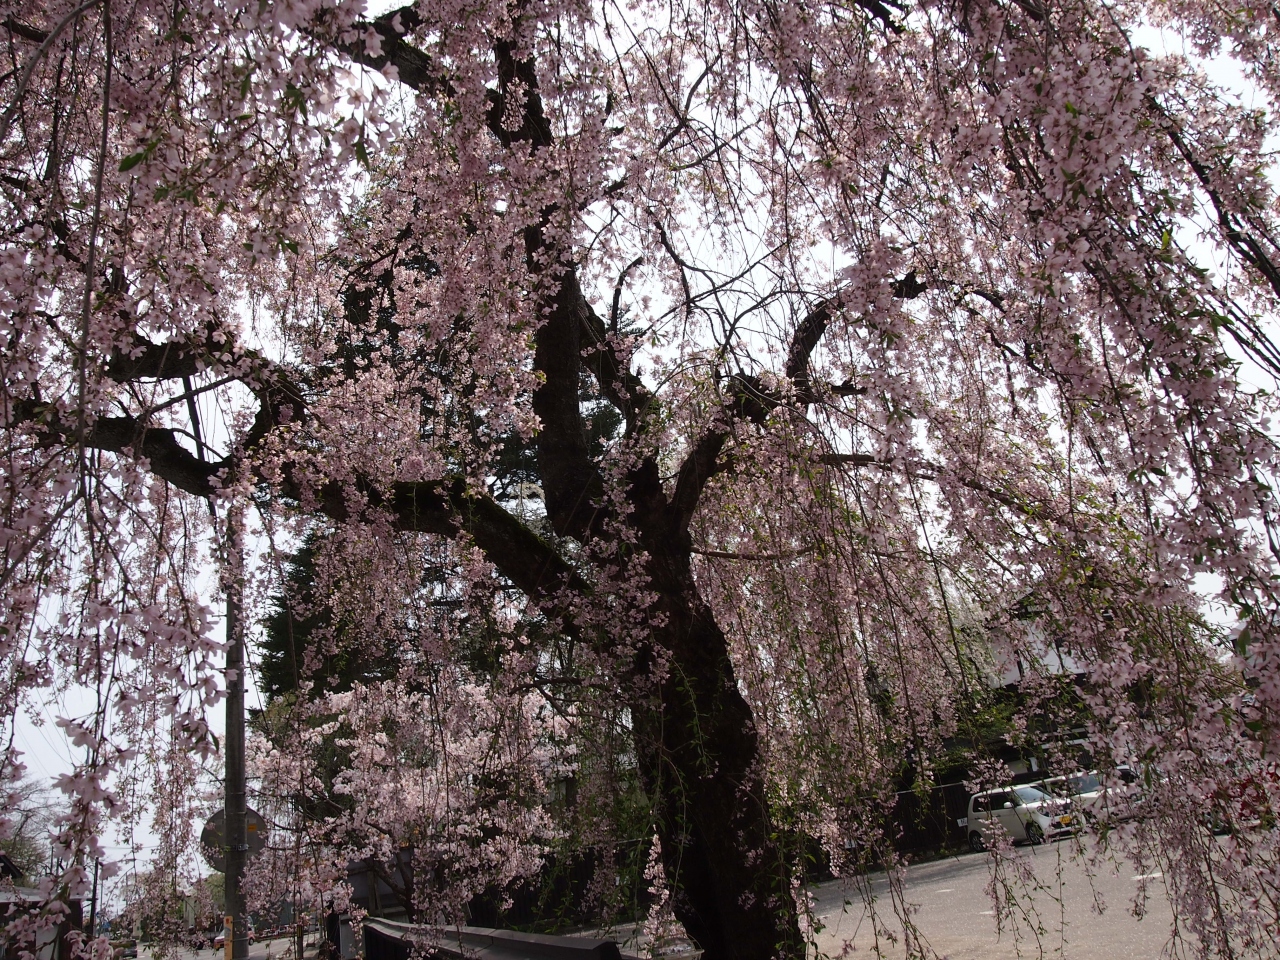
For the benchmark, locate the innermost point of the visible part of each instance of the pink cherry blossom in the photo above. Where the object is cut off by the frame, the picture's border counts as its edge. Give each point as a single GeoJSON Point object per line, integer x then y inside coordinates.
{"type": "Point", "coordinates": [752, 377]}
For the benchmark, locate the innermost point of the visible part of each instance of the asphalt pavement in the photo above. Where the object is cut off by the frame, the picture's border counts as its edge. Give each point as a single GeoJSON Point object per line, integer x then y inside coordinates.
{"type": "Point", "coordinates": [1062, 909]}
{"type": "Point", "coordinates": [279, 948]}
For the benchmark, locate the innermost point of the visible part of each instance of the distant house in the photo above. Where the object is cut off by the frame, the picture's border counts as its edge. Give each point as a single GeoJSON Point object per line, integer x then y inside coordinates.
{"type": "Point", "coordinates": [1024, 647]}
{"type": "Point", "coordinates": [13, 902]}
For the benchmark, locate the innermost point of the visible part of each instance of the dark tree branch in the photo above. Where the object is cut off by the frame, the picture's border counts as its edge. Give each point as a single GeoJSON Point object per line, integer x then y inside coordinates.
{"type": "Point", "coordinates": [280, 399]}
{"type": "Point", "coordinates": [535, 567]}
{"type": "Point", "coordinates": [446, 508]}
{"type": "Point", "coordinates": [700, 464]}
{"type": "Point", "coordinates": [522, 75]}
{"type": "Point", "coordinates": [620, 386]}
{"type": "Point", "coordinates": [168, 459]}
{"type": "Point", "coordinates": [805, 340]}
{"type": "Point", "coordinates": [855, 460]}
{"type": "Point", "coordinates": [617, 293]}
{"type": "Point", "coordinates": [1246, 245]}
{"type": "Point", "coordinates": [730, 555]}
{"type": "Point", "coordinates": [449, 508]}
{"type": "Point", "coordinates": [155, 361]}
{"type": "Point", "coordinates": [571, 481]}
{"type": "Point", "coordinates": [846, 389]}
{"type": "Point", "coordinates": [814, 325]}
{"type": "Point", "coordinates": [413, 67]}
{"type": "Point", "coordinates": [749, 400]}
{"type": "Point", "coordinates": [26, 31]}
{"type": "Point", "coordinates": [882, 13]}
{"type": "Point", "coordinates": [1032, 8]}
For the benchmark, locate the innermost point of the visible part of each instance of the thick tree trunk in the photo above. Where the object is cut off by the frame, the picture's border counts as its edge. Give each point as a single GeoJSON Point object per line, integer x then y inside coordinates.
{"type": "Point", "coordinates": [700, 762]}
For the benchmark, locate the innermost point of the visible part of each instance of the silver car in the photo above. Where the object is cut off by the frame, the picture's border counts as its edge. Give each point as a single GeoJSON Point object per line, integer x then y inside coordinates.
{"type": "Point", "coordinates": [1093, 799]}
{"type": "Point", "coordinates": [1024, 813]}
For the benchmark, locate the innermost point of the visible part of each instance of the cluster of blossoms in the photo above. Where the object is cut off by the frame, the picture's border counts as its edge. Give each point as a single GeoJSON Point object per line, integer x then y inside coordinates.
{"type": "Point", "coordinates": [456, 773]}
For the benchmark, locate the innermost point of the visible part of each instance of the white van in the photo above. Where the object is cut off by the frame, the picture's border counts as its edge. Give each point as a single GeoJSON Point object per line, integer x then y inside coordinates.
{"type": "Point", "coordinates": [1024, 813]}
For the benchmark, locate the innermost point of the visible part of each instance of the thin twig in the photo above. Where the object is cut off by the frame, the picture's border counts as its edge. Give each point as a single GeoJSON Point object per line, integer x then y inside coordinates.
{"type": "Point", "coordinates": [7, 118]}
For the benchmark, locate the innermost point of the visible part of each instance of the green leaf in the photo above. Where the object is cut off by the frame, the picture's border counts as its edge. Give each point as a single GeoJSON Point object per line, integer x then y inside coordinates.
{"type": "Point", "coordinates": [1242, 641]}
{"type": "Point", "coordinates": [295, 99]}
{"type": "Point", "coordinates": [132, 160]}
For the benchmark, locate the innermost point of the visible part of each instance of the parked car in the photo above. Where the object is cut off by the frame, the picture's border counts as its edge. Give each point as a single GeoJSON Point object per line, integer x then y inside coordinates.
{"type": "Point", "coordinates": [1114, 801]}
{"type": "Point", "coordinates": [220, 941]}
{"type": "Point", "coordinates": [1024, 813]}
{"type": "Point", "coordinates": [1083, 789]}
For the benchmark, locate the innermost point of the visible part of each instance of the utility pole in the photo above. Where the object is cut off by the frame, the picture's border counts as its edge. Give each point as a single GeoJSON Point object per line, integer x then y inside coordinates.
{"type": "Point", "coordinates": [234, 789]}
{"type": "Point", "coordinates": [93, 903]}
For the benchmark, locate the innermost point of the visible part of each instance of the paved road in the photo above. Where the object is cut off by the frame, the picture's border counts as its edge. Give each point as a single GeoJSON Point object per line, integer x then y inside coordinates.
{"type": "Point", "coordinates": [1067, 912]}
{"type": "Point", "coordinates": [278, 949]}
{"type": "Point", "coordinates": [1077, 913]}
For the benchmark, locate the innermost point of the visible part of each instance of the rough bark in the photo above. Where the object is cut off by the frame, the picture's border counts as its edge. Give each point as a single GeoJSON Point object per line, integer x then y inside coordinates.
{"type": "Point", "coordinates": [699, 756]}
{"type": "Point", "coordinates": [699, 759]}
